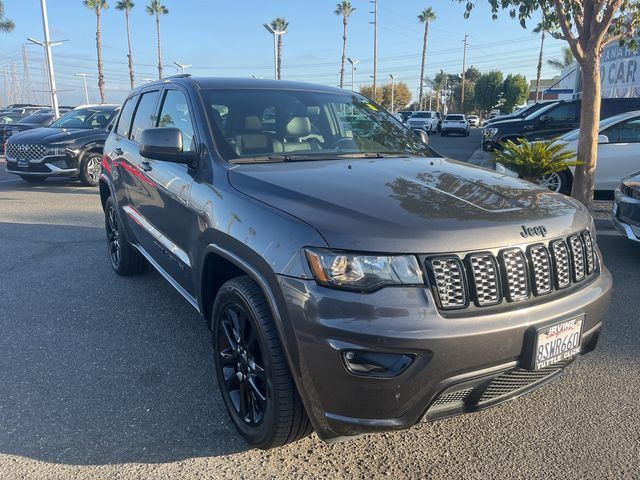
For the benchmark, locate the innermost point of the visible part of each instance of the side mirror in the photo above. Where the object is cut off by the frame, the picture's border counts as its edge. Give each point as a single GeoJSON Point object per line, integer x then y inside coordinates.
{"type": "Point", "coordinates": [603, 139]}
{"type": "Point", "coordinates": [422, 135]}
{"type": "Point", "coordinates": [544, 118]}
{"type": "Point", "coordinates": [164, 144]}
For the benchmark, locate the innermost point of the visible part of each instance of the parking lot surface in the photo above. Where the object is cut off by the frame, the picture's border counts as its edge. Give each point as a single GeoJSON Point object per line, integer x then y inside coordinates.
{"type": "Point", "coordinates": [107, 377]}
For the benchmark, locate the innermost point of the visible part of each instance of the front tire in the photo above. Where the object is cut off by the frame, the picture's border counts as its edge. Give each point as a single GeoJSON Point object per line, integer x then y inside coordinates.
{"type": "Point", "coordinates": [90, 169]}
{"type": "Point", "coordinates": [125, 259]}
{"type": "Point", "coordinates": [254, 379]}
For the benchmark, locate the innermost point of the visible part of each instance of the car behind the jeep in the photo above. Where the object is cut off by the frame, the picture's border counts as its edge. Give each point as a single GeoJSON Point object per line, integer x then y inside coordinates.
{"type": "Point", "coordinates": [353, 279]}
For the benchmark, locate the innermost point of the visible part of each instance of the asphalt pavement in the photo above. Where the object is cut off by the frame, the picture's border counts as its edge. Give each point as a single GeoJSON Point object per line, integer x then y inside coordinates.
{"type": "Point", "coordinates": [108, 377]}
{"type": "Point", "coordinates": [457, 146]}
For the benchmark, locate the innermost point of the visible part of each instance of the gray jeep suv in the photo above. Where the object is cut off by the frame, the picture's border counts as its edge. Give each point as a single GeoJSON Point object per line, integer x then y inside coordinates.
{"type": "Point", "coordinates": [353, 279]}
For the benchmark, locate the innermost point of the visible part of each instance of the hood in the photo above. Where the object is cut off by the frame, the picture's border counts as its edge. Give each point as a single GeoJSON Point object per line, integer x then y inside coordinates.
{"type": "Point", "coordinates": [48, 135]}
{"type": "Point", "coordinates": [409, 205]}
{"type": "Point", "coordinates": [507, 122]}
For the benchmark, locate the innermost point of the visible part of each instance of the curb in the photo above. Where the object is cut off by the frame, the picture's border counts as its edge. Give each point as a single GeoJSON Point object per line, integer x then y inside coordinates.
{"type": "Point", "coordinates": [481, 159]}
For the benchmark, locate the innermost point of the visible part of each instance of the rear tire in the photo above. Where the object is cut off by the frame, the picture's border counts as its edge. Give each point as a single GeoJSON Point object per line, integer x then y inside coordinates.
{"type": "Point", "coordinates": [560, 182]}
{"type": "Point", "coordinates": [125, 259]}
{"type": "Point", "coordinates": [33, 179]}
{"type": "Point", "coordinates": [90, 169]}
{"type": "Point", "coordinates": [254, 379]}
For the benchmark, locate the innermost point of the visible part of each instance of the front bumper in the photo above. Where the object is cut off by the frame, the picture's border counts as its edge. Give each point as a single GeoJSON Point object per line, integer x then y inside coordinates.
{"type": "Point", "coordinates": [50, 166]}
{"type": "Point", "coordinates": [450, 355]}
{"type": "Point", "coordinates": [626, 216]}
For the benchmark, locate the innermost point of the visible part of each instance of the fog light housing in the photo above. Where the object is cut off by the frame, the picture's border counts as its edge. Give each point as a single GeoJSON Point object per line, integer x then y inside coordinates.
{"type": "Point", "coordinates": [376, 364]}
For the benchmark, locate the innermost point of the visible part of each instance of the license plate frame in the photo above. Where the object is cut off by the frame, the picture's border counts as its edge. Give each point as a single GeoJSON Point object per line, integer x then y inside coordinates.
{"type": "Point", "coordinates": [23, 163]}
{"type": "Point", "coordinates": [555, 342]}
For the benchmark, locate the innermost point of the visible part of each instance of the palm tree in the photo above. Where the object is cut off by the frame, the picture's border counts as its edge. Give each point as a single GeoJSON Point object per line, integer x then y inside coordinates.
{"type": "Point", "coordinates": [126, 6]}
{"type": "Point", "coordinates": [280, 25]}
{"type": "Point", "coordinates": [156, 8]}
{"type": "Point", "coordinates": [6, 25]}
{"type": "Point", "coordinates": [345, 9]}
{"type": "Point", "coordinates": [540, 28]}
{"type": "Point", "coordinates": [566, 60]}
{"type": "Point", "coordinates": [426, 17]}
{"type": "Point", "coordinates": [97, 6]}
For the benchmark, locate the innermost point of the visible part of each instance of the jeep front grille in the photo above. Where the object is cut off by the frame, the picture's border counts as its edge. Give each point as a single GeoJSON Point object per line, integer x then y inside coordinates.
{"type": "Point", "coordinates": [514, 275]}
{"type": "Point", "coordinates": [17, 151]}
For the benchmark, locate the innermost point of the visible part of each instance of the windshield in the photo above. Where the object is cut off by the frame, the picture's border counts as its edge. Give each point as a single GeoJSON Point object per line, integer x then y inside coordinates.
{"type": "Point", "coordinates": [86, 118]}
{"type": "Point", "coordinates": [604, 124]}
{"type": "Point", "coordinates": [422, 115]}
{"type": "Point", "coordinates": [288, 125]}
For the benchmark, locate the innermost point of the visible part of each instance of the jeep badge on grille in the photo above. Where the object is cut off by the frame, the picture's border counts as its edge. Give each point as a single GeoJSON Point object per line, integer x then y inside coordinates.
{"type": "Point", "coordinates": [537, 231]}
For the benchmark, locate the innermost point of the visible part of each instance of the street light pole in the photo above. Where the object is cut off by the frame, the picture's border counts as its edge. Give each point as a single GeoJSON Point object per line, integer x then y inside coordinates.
{"type": "Point", "coordinates": [47, 49]}
{"type": "Point", "coordinates": [464, 68]}
{"type": "Point", "coordinates": [393, 92]}
{"type": "Point", "coordinates": [353, 72]}
{"type": "Point", "coordinates": [84, 79]}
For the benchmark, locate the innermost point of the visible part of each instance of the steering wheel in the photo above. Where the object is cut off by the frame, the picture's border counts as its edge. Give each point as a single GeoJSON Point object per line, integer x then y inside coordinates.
{"type": "Point", "coordinates": [350, 144]}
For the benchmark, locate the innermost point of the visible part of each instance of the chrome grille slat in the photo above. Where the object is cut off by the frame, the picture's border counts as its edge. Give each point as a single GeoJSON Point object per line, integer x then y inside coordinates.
{"type": "Point", "coordinates": [540, 269]}
{"type": "Point", "coordinates": [516, 278]}
{"type": "Point", "coordinates": [486, 279]}
{"type": "Point", "coordinates": [18, 151]}
{"type": "Point", "coordinates": [514, 274]}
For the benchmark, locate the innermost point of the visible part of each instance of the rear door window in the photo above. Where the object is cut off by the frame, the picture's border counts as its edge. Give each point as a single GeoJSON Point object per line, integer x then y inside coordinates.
{"type": "Point", "coordinates": [145, 116]}
{"type": "Point", "coordinates": [124, 122]}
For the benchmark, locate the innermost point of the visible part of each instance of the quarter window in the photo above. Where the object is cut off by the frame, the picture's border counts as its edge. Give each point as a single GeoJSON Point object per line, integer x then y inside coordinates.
{"type": "Point", "coordinates": [124, 122]}
{"type": "Point", "coordinates": [175, 113]}
{"type": "Point", "coordinates": [145, 114]}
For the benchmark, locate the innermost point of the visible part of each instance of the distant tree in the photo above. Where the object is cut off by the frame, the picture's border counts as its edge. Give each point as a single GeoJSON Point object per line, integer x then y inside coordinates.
{"type": "Point", "coordinates": [126, 6]}
{"type": "Point", "coordinates": [469, 96]}
{"type": "Point", "coordinates": [515, 91]}
{"type": "Point", "coordinates": [345, 10]}
{"type": "Point", "coordinates": [488, 90]}
{"type": "Point", "coordinates": [472, 75]}
{"type": "Point", "coordinates": [6, 24]}
{"type": "Point", "coordinates": [97, 6]}
{"type": "Point", "coordinates": [401, 96]}
{"type": "Point", "coordinates": [426, 17]}
{"type": "Point", "coordinates": [157, 9]}
{"type": "Point", "coordinates": [281, 25]}
{"type": "Point", "coordinates": [587, 26]}
{"type": "Point", "coordinates": [560, 63]}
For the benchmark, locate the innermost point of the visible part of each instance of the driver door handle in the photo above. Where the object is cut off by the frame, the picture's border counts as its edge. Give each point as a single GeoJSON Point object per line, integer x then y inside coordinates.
{"type": "Point", "coordinates": [118, 151]}
{"type": "Point", "coordinates": [146, 166]}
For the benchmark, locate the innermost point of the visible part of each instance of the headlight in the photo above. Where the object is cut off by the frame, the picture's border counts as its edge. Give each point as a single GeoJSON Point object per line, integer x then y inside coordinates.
{"type": "Point", "coordinates": [55, 151]}
{"type": "Point", "coordinates": [490, 132]}
{"type": "Point", "coordinates": [350, 271]}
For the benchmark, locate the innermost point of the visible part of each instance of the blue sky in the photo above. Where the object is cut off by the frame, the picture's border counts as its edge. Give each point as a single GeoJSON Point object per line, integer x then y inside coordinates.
{"type": "Point", "coordinates": [222, 38]}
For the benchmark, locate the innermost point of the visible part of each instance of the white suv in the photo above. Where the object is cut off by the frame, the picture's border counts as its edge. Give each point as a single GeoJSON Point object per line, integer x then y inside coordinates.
{"type": "Point", "coordinates": [427, 121]}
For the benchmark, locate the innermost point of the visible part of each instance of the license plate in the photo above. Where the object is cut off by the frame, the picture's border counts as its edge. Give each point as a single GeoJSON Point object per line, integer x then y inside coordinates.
{"type": "Point", "coordinates": [23, 163]}
{"type": "Point", "coordinates": [557, 342]}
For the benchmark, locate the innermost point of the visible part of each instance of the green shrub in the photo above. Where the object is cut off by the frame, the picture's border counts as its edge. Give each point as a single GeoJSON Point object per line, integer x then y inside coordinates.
{"type": "Point", "coordinates": [533, 160]}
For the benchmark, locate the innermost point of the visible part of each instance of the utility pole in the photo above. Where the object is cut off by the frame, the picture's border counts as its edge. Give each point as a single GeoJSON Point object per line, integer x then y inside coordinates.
{"type": "Point", "coordinates": [375, 46]}
{"type": "Point", "coordinates": [353, 72]}
{"type": "Point", "coordinates": [47, 49]}
{"type": "Point", "coordinates": [464, 72]}
{"type": "Point", "coordinates": [393, 92]}
{"type": "Point", "coordinates": [84, 79]}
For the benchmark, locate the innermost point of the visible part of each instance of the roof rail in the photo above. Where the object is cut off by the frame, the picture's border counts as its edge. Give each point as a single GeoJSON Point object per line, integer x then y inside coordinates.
{"type": "Point", "coordinates": [179, 75]}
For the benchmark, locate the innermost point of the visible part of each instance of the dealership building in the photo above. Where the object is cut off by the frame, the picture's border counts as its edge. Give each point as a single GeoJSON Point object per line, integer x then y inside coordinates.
{"type": "Point", "coordinates": [620, 75]}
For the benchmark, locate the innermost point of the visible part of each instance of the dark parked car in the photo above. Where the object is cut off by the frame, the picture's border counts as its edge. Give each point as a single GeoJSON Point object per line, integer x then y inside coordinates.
{"type": "Point", "coordinates": [626, 207]}
{"type": "Point", "coordinates": [550, 121]}
{"type": "Point", "coordinates": [354, 280]}
{"type": "Point", "coordinates": [69, 147]}
{"type": "Point", "coordinates": [37, 120]}
{"type": "Point", "coordinates": [521, 113]}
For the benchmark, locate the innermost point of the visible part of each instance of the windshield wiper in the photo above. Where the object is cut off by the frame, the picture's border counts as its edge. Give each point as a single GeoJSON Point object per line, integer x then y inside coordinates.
{"type": "Point", "coordinates": [276, 157]}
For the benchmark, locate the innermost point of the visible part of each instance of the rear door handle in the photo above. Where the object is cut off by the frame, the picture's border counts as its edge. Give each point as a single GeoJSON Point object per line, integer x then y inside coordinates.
{"type": "Point", "coordinates": [146, 166]}
{"type": "Point", "coordinates": [118, 151]}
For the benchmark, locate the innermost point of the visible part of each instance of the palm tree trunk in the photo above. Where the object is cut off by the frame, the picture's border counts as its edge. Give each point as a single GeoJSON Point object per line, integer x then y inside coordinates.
{"type": "Point", "coordinates": [132, 77]}
{"type": "Point", "coordinates": [159, 47]}
{"type": "Point", "coordinates": [583, 183]}
{"type": "Point", "coordinates": [279, 57]}
{"type": "Point", "coordinates": [344, 51]}
{"type": "Point", "coordinates": [99, 48]}
{"type": "Point", "coordinates": [424, 59]}
{"type": "Point", "coordinates": [539, 75]}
